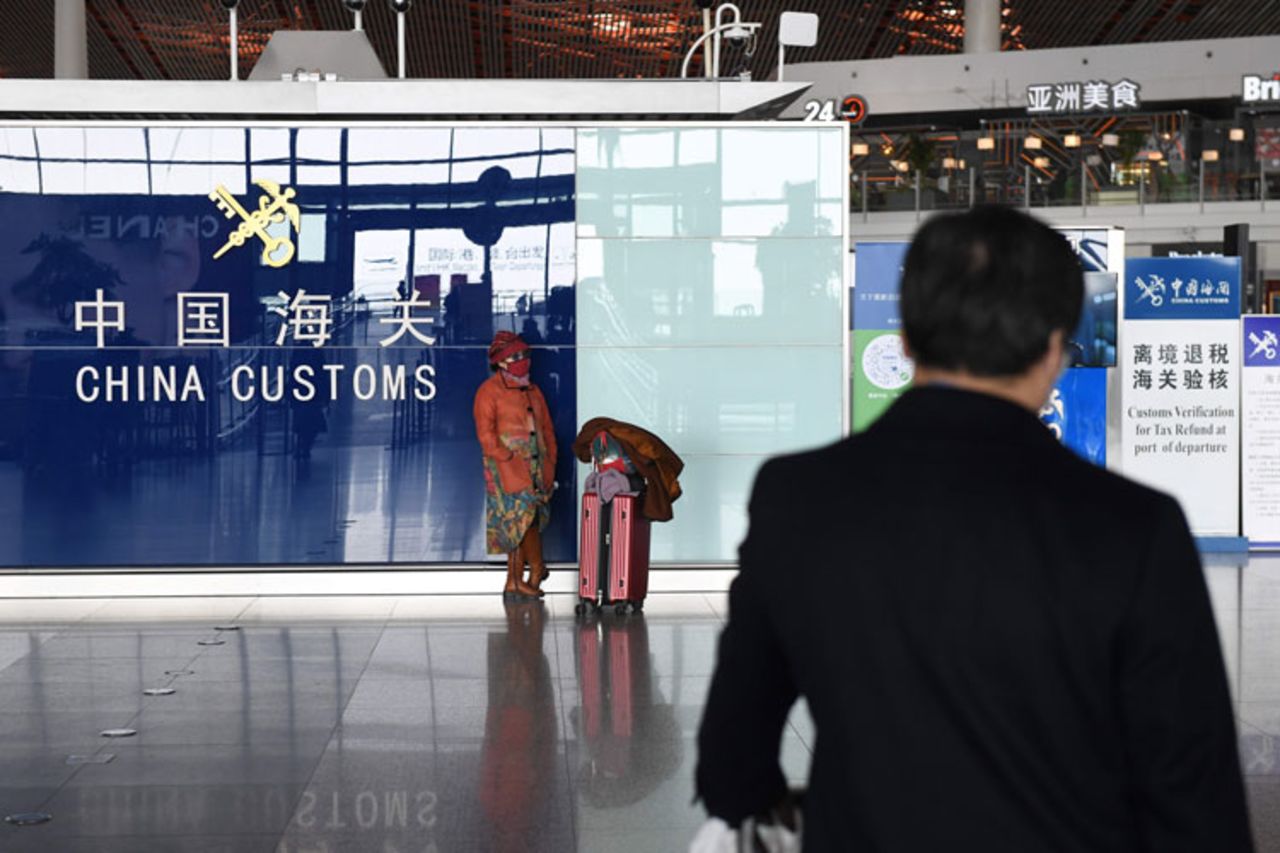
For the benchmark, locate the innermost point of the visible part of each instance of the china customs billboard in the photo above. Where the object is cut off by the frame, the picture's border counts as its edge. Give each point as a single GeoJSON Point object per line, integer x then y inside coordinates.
{"type": "Point", "coordinates": [260, 345]}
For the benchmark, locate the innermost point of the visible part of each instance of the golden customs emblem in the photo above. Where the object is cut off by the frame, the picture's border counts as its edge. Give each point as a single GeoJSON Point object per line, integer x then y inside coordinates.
{"type": "Point", "coordinates": [274, 206]}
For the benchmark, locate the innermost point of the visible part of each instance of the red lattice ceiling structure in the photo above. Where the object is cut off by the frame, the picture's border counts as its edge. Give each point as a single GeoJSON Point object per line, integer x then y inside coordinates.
{"type": "Point", "coordinates": [187, 39]}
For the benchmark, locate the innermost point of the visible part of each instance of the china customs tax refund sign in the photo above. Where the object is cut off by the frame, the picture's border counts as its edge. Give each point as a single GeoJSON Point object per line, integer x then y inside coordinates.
{"type": "Point", "coordinates": [1181, 385]}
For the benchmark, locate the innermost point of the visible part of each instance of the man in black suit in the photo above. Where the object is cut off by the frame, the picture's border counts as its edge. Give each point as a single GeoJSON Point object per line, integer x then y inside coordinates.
{"type": "Point", "coordinates": [1003, 647]}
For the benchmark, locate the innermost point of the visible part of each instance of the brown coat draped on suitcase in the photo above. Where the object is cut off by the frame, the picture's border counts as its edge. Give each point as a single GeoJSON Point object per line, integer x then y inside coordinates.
{"type": "Point", "coordinates": [657, 463]}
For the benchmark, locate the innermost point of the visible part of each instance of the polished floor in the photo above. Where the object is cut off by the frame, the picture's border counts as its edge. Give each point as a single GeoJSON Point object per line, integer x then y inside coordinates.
{"type": "Point", "coordinates": [416, 724]}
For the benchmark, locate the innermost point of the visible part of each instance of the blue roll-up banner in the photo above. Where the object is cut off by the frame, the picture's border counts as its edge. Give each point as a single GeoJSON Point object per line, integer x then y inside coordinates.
{"type": "Point", "coordinates": [1077, 409]}
{"type": "Point", "coordinates": [1181, 364]}
{"type": "Point", "coordinates": [878, 277]}
{"type": "Point", "coordinates": [1077, 412]}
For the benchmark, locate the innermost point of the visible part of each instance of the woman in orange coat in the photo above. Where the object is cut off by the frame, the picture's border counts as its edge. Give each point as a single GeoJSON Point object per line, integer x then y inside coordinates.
{"type": "Point", "coordinates": [519, 445]}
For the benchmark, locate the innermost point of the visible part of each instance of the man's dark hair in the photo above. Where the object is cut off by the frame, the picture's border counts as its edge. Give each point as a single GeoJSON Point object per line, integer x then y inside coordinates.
{"type": "Point", "coordinates": [983, 290]}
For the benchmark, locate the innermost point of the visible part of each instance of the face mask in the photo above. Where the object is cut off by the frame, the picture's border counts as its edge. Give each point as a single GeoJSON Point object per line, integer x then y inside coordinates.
{"type": "Point", "coordinates": [519, 368]}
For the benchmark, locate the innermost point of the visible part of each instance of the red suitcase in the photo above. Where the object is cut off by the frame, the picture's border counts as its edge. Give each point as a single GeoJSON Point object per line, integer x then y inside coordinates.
{"type": "Point", "coordinates": [589, 586]}
{"type": "Point", "coordinates": [613, 557]}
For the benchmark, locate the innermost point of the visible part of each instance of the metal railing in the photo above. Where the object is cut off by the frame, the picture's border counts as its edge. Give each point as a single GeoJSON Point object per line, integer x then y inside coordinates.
{"type": "Point", "coordinates": [925, 192]}
{"type": "Point", "coordinates": [1137, 161]}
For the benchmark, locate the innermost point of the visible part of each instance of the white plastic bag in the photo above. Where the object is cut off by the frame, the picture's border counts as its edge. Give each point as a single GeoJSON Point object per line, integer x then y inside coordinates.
{"type": "Point", "coordinates": [716, 836]}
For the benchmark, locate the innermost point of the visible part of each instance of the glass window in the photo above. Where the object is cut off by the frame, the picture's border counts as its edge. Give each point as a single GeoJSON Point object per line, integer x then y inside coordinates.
{"type": "Point", "coordinates": [197, 144]}
{"type": "Point", "coordinates": [111, 178]}
{"type": "Point", "coordinates": [380, 145]}
{"type": "Point", "coordinates": [63, 178]}
{"type": "Point", "coordinates": [18, 142]}
{"type": "Point", "coordinates": [311, 239]}
{"type": "Point", "coordinates": [320, 143]}
{"type": "Point", "coordinates": [319, 175]}
{"type": "Point", "coordinates": [116, 143]}
{"type": "Point", "coordinates": [61, 142]}
{"type": "Point", "coordinates": [270, 143]}
{"type": "Point", "coordinates": [19, 176]}
{"type": "Point", "coordinates": [381, 259]}
{"type": "Point", "coordinates": [710, 305]}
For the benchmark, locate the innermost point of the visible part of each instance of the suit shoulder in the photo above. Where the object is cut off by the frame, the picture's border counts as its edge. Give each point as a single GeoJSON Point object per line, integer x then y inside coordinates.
{"type": "Point", "coordinates": [1104, 488]}
{"type": "Point", "coordinates": [806, 466]}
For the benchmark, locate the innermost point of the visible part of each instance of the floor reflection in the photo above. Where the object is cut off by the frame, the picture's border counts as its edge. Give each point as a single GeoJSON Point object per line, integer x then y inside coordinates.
{"type": "Point", "coordinates": [518, 758]}
{"type": "Point", "coordinates": [421, 724]}
{"type": "Point", "coordinates": [628, 733]}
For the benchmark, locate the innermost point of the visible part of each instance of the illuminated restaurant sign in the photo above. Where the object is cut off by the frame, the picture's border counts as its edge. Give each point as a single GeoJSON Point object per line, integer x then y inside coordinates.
{"type": "Point", "coordinates": [1259, 89]}
{"type": "Point", "coordinates": [1086, 97]}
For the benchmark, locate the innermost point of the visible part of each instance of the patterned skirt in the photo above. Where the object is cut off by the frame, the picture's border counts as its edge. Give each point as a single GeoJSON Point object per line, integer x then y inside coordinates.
{"type": "Point", "coordinates": [508, 515]}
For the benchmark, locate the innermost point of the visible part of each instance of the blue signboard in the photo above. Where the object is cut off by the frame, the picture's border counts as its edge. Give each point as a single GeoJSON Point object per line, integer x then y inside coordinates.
{"type": "Point", "coordinates": [1093, 344]}
{"type": "Point", "coordinates": [1077, 409]}
{"type": "Point", "coordinates": [878, 273]}
{"type": "Point", "coordinates": [1262, 341]}
{"type": "Point", "coordinates": [1077, 412]}
{"type": "Point", "coordinates": [260, 346]}
{"type": "Point", "coordinates": [1199, 288]}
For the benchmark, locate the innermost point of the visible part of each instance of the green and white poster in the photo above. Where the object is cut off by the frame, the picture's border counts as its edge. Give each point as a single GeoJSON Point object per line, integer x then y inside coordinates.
{"type": "Point", "coordinates": [881, 371]}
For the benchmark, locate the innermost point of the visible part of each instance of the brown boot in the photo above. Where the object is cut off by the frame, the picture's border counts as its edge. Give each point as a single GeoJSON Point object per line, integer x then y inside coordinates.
{"type": "Point", "coordinates": [531, 552]}
{"type": "Point", "coordinates": [516, 589]}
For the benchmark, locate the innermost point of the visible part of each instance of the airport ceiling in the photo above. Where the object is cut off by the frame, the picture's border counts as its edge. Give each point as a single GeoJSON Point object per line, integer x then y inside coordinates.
{"type": "Point", "coordinates": [187, 39]}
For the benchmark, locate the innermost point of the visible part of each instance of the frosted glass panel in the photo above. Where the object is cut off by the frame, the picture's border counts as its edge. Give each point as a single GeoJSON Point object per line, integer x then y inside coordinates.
{"type": "Point", "coordinates": [681, 292]}
{"type": "Point", "coordinates": [710, 305]}
{"type": "Point", "coordinates": [798, 215]}
{"type": "Point", "coordinates": [711, 518]}
{"type": "Point", "coordinates": [766, 165]}
{"type": "Point", "coordinates": [718, 399]}
{"type": "Point", "coordinates": [679, 182]}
